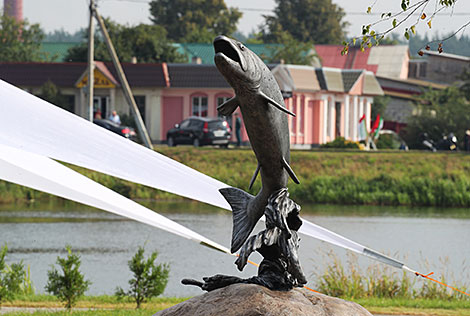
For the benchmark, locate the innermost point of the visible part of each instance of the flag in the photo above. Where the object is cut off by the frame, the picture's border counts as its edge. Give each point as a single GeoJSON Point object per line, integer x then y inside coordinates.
{"type": "Point", "coordinates": [362, 128]}
{"type": "Point", "coordinates": [377, 126]}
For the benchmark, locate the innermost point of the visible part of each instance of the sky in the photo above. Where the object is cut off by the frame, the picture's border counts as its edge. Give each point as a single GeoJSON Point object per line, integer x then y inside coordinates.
{"type": "Point", "coordinates": [71, 15]}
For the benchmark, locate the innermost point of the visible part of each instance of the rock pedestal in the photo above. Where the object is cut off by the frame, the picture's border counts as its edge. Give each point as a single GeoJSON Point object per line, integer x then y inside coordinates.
{"type": "Point", "coordinates": [255, 300]}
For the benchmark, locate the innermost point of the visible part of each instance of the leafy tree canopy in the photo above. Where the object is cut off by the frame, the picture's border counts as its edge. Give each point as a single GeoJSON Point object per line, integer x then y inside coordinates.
{"type": "Point", "coordinates": [64, 36]}
{"type": "Point", "coordinates": [291, 51]}
{"type": "Point", "coordinates": [315, 21]}
{"type": "Point", "coordinates": [148, 43]}
{"type": "Point", "coordinates": [194, 20]}
{"type": "Point", "coordinates": [20, 41]}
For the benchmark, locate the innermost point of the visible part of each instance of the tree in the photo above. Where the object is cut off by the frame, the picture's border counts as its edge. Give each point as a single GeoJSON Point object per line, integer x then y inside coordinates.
{"type": "Point", "coordinates": [64, 36]}
{"type": "Point", "coordinates": [51, 93]}
{"type": "Point", "coordinates": [20, 41]}
{"type": "Point", "coordinates": [194, 20]}
{"type": "Point", "coordinates": [291, 51]}
{"type": "Point", "coordinates": [394, 20]}
{"type": "Point", "coordinates": [379, 106]}
{"type": "Point", "coordinates": [69, 285]}
{"type": "Point", "coordinates": [438, 113]}
{"type": "Point", "coordinates": [148, 43]}
{"type": "Point", "coordinates": [149, 280]}
{"type": "Point", "coordinates": [315, 21]}
{"type": "Point", "coordinates": [11, 277]}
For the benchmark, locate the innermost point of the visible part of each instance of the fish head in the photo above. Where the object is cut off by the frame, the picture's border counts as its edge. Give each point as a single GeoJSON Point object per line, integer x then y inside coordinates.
{"type": "Point", "coordinates": [238, 64]}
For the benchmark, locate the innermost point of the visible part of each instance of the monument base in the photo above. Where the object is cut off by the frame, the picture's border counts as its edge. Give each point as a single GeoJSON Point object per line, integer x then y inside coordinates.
{"type": "Point", "coordinates": [255, 300]}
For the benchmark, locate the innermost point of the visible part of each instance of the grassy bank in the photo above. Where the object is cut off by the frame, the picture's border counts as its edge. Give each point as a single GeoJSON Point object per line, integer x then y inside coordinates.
{"type": "Point", "coordinates": [361, 178]}
{"type": "Point", "coordinates": [109, 306]}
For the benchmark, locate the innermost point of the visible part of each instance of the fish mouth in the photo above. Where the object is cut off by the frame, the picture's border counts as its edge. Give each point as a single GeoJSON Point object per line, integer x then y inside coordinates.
{"type": "Point", "coordinates": [226, 49]}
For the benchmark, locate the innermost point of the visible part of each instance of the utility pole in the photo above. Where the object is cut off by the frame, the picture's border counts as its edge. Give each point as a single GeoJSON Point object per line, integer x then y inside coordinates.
{"type": "Point", "coordinates": [124, 83]}
{"type": "Point", "coordinates": [91, 62]}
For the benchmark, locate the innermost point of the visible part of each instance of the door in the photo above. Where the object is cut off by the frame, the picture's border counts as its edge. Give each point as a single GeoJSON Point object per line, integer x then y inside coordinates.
{"type": "Point", "coordinates": [172, 113]}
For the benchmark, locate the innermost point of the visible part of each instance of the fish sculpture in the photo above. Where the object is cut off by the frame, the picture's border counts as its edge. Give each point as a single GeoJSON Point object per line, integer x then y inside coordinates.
{"type": "Point", "coordinates": [259, 98]}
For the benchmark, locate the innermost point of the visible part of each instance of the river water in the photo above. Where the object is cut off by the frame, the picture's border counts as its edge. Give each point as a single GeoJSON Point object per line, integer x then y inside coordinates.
{"type": "Point", "coordinates": [425, 239]}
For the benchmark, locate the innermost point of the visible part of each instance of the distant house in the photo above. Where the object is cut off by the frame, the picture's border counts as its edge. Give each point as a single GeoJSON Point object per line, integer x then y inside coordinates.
{"type": "Point", "coordinates": [146, 80]}
{"type": "Point", "coordinates": [438, 67]}
{"type": "Point", "coordinates": [384, 60]}
{"type": "Point", "coordinates": [328, 102]}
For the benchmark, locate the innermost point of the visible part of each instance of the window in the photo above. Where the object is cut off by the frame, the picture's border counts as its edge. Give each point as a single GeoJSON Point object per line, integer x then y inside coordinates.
{"type": "Point", "coordinates": [184, 124]}
{"type": "Point", "coordinates": [200, 106]}
{"type": "Point", "coordinates": [220, 101]}
{"type": "Point", "coordinates": [140, 101]}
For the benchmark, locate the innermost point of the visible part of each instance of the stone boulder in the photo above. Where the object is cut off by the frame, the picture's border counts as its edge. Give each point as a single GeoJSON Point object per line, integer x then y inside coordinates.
{"type": "Point", "coordinates": [255, 300]}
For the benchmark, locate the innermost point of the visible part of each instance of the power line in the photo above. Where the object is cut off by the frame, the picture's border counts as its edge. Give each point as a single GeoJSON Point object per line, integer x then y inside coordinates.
{"type": "Point", "coordinates": [272, 10]}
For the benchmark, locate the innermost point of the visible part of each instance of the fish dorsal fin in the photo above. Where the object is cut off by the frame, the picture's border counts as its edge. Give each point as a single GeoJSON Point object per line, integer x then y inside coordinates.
{"type": "Point", "coordinates": [254, 176]}
{"type": "Point", "coordinates": [290, 171]}
{"type": "Point", "coordinates": [273, 102]}
{"type": "Point", "coordinates": [228, 107]}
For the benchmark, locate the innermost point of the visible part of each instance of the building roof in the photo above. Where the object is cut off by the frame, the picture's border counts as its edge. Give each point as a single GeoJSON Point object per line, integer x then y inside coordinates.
{"type": "Point", "coordinates": [141, 74]}
{"type": "Point", "coordinates": [195, 76]}
{"type": "Point", "coordinates": [36, 74]}
{"type": "Point", "coordinates": [308, 78]}
{"type": "Point", "coordinates": [333, 79]}
{"type": "Point", "coordinates": [384, 60]}
{"type": "Point", "coordinates": [370, 84]}
{"type": "Point", "coordinates": [446, 55]}
{"type": "Point", "coordinates": [406, 88]}
{"type": "Point", "coordinates": [57, 50]}
{"type": "Point", "coordinates": [350, 77]}
{"type": "Point", "coordinates": [32, 74]}
{"type": "Point", "coordinates": [302, 78]}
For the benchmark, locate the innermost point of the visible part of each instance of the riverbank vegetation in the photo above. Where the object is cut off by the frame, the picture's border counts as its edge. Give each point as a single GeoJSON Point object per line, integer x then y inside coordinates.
{"type": "Point", "coordinates": [330, 177]}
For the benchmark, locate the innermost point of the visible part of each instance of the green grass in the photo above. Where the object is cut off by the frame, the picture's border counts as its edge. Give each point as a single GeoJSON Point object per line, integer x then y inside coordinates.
{"type": "Point", "coordinates": [101, 305]}
{"type": "Point", "coordinates": [331, 177]}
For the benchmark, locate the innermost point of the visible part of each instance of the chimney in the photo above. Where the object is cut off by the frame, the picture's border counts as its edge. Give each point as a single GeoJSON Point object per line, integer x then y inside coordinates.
{"type": "Point", "coordinates": [13, 8]}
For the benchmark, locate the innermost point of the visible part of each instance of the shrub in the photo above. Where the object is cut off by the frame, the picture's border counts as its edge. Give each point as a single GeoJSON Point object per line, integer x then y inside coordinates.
{"type": "Point", "coordinates": [341, 142]}
{"type": "Point", "coordinates": [149, 279]}
{"type": "Point", "coordinates": [70, 285]}
{"type": "Point", "coordinates": [11, 277]}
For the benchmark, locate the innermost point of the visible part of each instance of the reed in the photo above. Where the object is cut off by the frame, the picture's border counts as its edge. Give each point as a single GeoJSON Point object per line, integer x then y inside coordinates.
{"type": "Point", "coordinates": [379, 281]}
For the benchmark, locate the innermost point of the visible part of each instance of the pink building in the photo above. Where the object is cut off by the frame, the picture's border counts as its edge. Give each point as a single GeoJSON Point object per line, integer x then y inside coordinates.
{"type": "Point", "coordinates": [328, 102]}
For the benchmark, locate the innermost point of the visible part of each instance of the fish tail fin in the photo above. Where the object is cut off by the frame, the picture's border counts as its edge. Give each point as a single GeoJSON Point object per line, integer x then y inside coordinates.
{"type": "Point", "coordinates": [242, 225]}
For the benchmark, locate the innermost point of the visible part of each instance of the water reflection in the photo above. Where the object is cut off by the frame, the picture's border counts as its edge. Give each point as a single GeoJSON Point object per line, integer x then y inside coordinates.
{"type": "Point", "coordinates": [38, 233]}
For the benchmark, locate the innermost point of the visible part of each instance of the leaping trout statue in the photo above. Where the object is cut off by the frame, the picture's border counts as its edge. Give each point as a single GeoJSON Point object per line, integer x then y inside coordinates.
{"type": "Point", "coordinates": [259, 98]}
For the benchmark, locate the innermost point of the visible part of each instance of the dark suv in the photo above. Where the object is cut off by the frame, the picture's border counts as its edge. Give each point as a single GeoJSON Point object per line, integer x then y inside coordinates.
{"type": "Point", "coordinates": [200, 131]}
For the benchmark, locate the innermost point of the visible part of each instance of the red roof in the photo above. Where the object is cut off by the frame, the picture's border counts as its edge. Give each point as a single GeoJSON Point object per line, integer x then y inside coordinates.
{"type": "Point", "coordinates": [330, 56]}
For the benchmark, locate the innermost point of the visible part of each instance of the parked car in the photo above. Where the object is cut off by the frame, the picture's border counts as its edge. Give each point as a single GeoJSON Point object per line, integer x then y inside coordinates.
{"type": "Point", "coordinates": [200, 131]}
{"type": "Point", "coordinates": [124, 131]}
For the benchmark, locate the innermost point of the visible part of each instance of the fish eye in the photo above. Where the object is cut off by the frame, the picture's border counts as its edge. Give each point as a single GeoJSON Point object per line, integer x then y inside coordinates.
{"type": "Point", "coordinates": [242, 47]}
